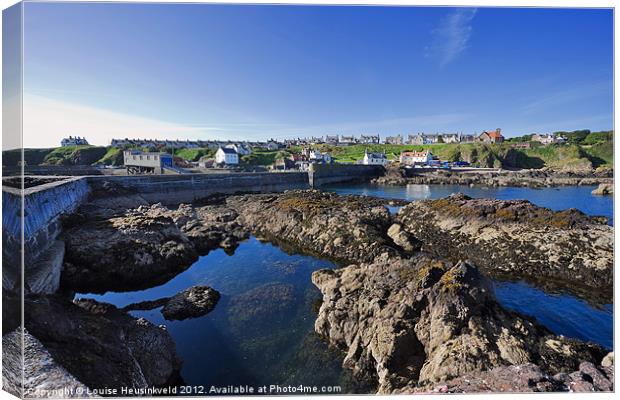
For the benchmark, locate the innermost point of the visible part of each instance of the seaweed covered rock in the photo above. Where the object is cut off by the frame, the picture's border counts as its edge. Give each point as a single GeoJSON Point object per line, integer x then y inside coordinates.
{"type": "Point", "coordinates": [145, 246]}
{"type": "Point", "coordinates": [417, 322]}
{"type": "Point", "coordinates": [191, 303]}
{"type": "Point", "coordinates": [517, 238]}
{"type": "Point", "coordinates": [340, 227]}
{"type": "Point", "coordinates": [100, 345]}
{"type": "Point", "coordinates": [124, 253]}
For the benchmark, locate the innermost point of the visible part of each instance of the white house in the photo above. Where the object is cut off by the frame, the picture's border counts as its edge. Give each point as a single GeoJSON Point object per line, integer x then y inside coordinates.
{"type": "Point", "coordinates": [240, 148]}
{"type": "Point", "coordinates": [272, 145]}
{"type": "Point", "coordinates": [374, 158]}
{"type": "Point", "coordinates": [315, 155]}
{"type": "Point", "coordinates": [225, 155]}
{"type": "Point", "coordinates": [415, 157]}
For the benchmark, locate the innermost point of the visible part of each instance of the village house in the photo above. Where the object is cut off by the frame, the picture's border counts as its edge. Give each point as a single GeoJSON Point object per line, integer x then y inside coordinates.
{"type": "Point", "coordinates": [240, 148]}
{"type": "Point", "coordinates": [73, 141]}
{"type": "Point", "coordinates": [398, 139]}
{"type": "Point", "coordinates": [138, 162]}
{"type": "Point", "coordinates": [491, 137]}
{"type": "Point", "coordinates": [347, 140]}
{"type": "Point", "coordinates": [272, 145]}
{"type": "Point", "coordinates": [226, 156]}
{"type": "Point", "coordinates": [369, 139]}
{"type": "Point", "coordinates": [421, 138]}
{"type": "Point", "coordinates": [544, 139]}
{"type": "Point", "coordinates": [374, 158]}
{"type": "Point", "coordinates": [451, 138]}
{"type": "Point", "coordinates": [467, 138]}
{"type": "Point", "coordinates": [333, 140]}
{"type": "Point", "coordinates": [415, 157]}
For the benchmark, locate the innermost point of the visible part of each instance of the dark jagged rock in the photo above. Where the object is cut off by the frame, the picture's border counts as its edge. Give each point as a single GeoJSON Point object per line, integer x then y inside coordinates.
{"type": "Point", "coordinates": [414, 323]}
{"type": "Point", "coordinates": [191, 303]}
{"type": "Point", "coordinates": [525, 378]}
{"type": "Point", "coordinates": [145, 246]}
{"type": "Point", "coordinates": [338, 227]}
{"type": "Point", "coordinates": [516, 239]}
{"type": "Point", "coordinates": [125, 253]}
{"type": "Point", "coordinates": [100, 345]}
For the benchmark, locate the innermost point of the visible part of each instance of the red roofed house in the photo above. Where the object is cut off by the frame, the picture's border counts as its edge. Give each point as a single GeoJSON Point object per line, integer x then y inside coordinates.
{"type": "Point", "coordinates": [491, 137]}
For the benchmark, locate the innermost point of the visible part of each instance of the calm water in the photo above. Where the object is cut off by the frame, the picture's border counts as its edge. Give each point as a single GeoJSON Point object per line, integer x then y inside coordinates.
{"type": "Point", "coordinates": [262, 330]}
{"type": "Point", "coordinates": [560, 198]}
{"type": "Point", "coordinates": [561, 313]}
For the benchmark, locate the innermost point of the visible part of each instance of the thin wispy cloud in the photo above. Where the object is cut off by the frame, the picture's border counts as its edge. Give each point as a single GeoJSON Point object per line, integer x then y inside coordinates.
{"type": "Point", "coordinates": [47, 121]}
{"type": "Point", "coordinates": [451, 37]}
{"type": "Point", "coordinates": [578, 93]}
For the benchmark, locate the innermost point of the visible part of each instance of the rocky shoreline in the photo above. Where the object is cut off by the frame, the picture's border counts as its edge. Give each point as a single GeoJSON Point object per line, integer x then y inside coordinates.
{"type": "Point", "coordinates": [411, 308]}
{"type": "Point", "coordinates": [535, 178]}
{"type": "Point", "coordinates": [514, 238]}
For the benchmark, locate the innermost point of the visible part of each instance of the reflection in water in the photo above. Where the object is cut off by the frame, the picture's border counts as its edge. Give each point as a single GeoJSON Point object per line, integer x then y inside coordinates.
{"type": "Point", "coordinates": [419, 192]}
{"type": "Point", "coordinates": [561, 313]}
{"type": "Point", "coordinates": [262, 330]}
{"type": "Point", "coordinates": [558, 198]}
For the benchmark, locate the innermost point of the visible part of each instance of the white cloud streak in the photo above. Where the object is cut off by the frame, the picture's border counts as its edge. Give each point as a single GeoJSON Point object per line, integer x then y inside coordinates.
{"type": "Point", "coordinates": [46, 121]}
{"type": "Point", "coordinates": [451, 36]}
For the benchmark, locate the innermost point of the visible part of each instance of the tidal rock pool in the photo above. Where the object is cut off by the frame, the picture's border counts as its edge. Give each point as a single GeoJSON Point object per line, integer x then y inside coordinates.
{"type": "Point", "coordinates": [262, 330]}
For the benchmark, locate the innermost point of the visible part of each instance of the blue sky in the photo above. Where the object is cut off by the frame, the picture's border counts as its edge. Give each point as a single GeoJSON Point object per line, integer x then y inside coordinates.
{"type": "Point", "coordinates": [255, 72]}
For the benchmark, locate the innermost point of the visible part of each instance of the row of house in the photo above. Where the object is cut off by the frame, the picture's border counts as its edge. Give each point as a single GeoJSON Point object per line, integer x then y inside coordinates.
{"type": "Point", "coordinates": [242, 147]}
{"type": "Point", "coordinates": [73, 141]}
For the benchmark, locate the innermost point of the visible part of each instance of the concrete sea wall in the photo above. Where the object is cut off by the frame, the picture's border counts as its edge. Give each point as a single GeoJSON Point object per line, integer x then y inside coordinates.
{"type": "Point", "coordinates": [44, 204]}
{"type": "Point", "coordinates": [42, 207]}
{"type": "Point", "coordinates": [174, 189]}
{"type": "Point", "coordinates": [323, 174]}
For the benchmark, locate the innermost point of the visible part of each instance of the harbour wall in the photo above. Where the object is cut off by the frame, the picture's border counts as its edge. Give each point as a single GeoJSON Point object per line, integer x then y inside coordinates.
{"type": "Point", "coordinates": [42, 207]}
{"type": "Point", "coordinates": [324, 174]}
{"type": "Point", "coordinates": [44, 204]}
{"type": "Point", "coordinates": [175, 189]}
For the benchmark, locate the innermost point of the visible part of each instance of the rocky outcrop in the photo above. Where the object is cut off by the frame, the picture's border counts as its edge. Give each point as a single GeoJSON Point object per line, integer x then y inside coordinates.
{"type": "Point", "coordinates": [338, 227]}
{"type": "Point", "coordinates": [125, 253]}
{"type": "Point", "coordinates": [418, 322]}
{"type": "Point", "coordinates": [100, 345]}
{"type": "Point", "coordinates": [191, 303]}
{"type": "Point", "coordinates": [525, 378]}
{"type": "Point", "coordinates": [604, 189]}
{"type": "Point", "coordinates": [145, 246]}
{"type": "Point", "coordinates": [23, 354]}
{"type": "Point", "coordinates": [523, 178]}
{"type": "Point", "coordinates": [516, 239]}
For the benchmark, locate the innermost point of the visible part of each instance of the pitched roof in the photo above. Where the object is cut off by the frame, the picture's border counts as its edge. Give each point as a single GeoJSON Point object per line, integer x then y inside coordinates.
{"type": "Point", "coordinates": [415, 153]}
{"type": "Point", "coordinates": [228, 150]}
{"type": "Point", "coordinates": [376, 155]}
{"type": "Point", "coordinates": [494, 134]}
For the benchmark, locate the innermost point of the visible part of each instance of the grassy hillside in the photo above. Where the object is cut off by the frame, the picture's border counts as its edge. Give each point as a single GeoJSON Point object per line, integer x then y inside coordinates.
{"type": "Point", "coordinates": [113, 156]}
{"type": "Point", "coordinates": [263, 157]}
{"type": "Point", "coordinates": [194, 154]}
{"type": "Point", "coordinates": [594, 150]}
{"type": "Point", "coordinates": [74, 155]}
{"type": "Point", "coordinates": [32, 156]}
